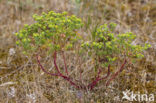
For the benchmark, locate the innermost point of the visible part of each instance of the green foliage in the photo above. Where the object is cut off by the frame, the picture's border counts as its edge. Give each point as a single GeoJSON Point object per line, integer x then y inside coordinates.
{"type": "Point", "coordinates": [51, 31]}
{"type": "Point", "coordinates": [57, 32]}
{"type": "Point", "coordinates": [107, 47]}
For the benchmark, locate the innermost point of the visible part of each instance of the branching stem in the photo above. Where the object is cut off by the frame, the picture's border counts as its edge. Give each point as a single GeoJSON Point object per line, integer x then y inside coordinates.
{"type": "Point", "coordinates": [64, 60]}
{"type": "Point", "coordinates": [82, 86]}
{"type": "Point", "coordinates": [93, 83]}
{"type": "Point", "coordinates": [120, 70]}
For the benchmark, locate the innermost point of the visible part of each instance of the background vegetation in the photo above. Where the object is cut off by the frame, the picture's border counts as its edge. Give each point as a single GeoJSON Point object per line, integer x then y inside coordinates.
{"type": "Point", "coordinates": [22, 81]}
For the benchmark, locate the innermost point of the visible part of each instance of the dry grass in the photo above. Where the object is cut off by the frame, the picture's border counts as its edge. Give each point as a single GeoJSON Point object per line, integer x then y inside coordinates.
{"type": "Point", "coordinates": [22, 81]}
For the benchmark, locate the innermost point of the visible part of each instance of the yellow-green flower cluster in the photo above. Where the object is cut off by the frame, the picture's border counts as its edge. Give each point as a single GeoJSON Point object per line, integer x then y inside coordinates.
{"type": "Point", "coordinates": [109, 46]}
{"type": "Point", "coordinates": [57, 28]}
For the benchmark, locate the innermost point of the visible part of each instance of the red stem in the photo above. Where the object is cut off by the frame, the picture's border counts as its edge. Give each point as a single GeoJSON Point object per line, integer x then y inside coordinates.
{"type": "Point", "coordinates": [59, 73]}
{"type": "Point", "coordinates": [69, 80]}
{"type": "Point", "coordinates": [120, 70]}
{"type": "Point", "coordinates": [57, 69]}
{"type": "Point", "coordinates": [64, 60]}
{"type": "Point", "coordinates": [92, 85]}
{"type": "Point", "coordinates": [63, 76]}
{"type": "Point", "coordinates": [44, 69]}
{"type": "Point", "coordinates": [89, 86]}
